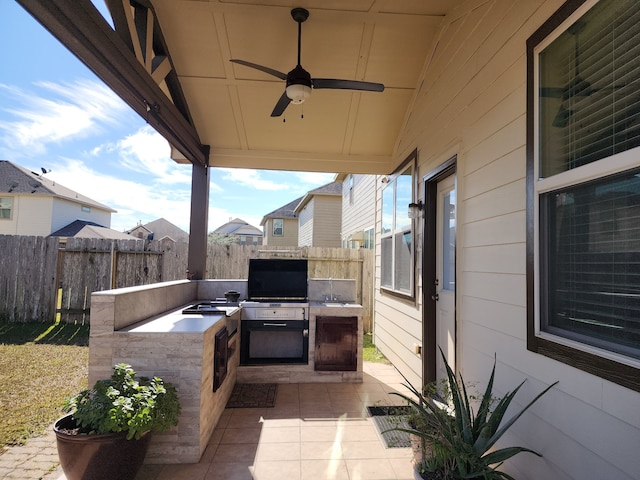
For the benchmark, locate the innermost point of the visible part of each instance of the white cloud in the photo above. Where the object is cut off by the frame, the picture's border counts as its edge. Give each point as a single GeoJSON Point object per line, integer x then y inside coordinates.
{"type": "Point", "coordinates": [251, 179]}
{"type": "Point", "coordinates": [146, 151]}
{"type": "Point", "coordinates": [267, 180]}
{"type": "Point", "coordinates": [58, 113]}
{"type": "Point", "coordinates": [135, 201]}
{"type": "Point", "coordinates": [315, 178]}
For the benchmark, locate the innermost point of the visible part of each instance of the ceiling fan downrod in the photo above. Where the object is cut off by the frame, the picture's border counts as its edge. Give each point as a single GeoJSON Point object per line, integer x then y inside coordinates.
{"type": "Point", "coordinates": [300, 15]}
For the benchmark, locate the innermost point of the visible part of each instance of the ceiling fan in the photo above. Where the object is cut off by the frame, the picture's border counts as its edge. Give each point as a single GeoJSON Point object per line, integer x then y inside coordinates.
{"type": "Point", "coordinates": [299, 82]}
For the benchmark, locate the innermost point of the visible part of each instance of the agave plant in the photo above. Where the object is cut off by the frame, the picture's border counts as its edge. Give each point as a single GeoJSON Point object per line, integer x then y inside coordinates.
{"type": "Point", "coordinates": [459, 440]}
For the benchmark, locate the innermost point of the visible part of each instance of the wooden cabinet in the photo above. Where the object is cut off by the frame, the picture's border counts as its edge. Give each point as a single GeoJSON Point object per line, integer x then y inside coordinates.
{"type": "Point", "coordinates": [336, 343]}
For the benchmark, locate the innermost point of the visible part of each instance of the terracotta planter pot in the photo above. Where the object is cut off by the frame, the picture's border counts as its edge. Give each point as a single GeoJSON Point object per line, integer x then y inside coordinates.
{"type": "Point", "coordinates": [98, 457]}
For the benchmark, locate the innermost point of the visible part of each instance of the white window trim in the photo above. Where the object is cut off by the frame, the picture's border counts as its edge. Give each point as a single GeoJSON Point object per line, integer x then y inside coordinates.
{"type": "Point", "coordinates": [411, 162]}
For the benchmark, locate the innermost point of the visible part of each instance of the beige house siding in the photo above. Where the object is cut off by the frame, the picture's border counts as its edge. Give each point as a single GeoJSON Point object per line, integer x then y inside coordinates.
{"type": "Point", "coordinates": [41, 215]}
{"type": "Point", "coordinates": [289, 237]}
{"type": "Point", "coordinates": [472, 104]}
{"type": "Point", "coordinates": [327, 221]}
{"type": "Point", "coordinates": [31, 215]}
{"type": "Point", "coordinates": [66, 211]}
{"type": "Point", "coordinates": [305, 224]}
{"type": "Point", "coordinates": [358, 206]}
{"type": "Point", "coordinates": [319, 222]}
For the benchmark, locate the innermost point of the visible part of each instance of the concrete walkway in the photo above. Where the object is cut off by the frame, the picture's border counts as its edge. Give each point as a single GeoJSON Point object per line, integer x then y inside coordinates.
{"type": "Point", "coordinates": [36, 460]}
{"type": "Point", "coordinates": [315, 431]}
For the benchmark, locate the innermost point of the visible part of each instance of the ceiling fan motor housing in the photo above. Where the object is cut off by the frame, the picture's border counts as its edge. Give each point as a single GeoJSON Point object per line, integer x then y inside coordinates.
{"type": "Point", "coordinates": [298, 85]}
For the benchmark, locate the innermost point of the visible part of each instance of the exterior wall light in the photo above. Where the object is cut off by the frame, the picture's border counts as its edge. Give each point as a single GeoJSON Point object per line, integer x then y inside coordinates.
{"type": "Point", "coordinates": [415, 209]}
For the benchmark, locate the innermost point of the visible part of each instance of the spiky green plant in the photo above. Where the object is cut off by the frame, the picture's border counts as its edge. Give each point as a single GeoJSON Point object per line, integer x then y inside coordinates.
{"type": "Point", "coordinates": [460, 441]}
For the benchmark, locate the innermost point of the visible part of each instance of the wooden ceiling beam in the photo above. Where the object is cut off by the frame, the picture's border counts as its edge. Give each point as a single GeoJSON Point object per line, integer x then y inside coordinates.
{"type": "Point", "coordinates": [80, 27]}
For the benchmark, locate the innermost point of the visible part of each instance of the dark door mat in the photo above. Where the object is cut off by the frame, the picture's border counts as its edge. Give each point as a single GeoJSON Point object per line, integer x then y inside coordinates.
{"type": "Point", "coordinates": [385, 418]}
{"type": "Point", "coordinates": [253, 395]}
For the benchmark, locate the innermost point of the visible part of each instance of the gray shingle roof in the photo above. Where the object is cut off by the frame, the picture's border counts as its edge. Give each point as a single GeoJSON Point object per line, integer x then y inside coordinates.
{"type": "Point", "coordinates": [73, 228]}
{"type": "Point", "coordinates": [286, 211]}
{"type": "Point", "coordinates": [162, 228]}
{"type": "Point", "coordinates": [330, 189]}
{"type": "Point", "coordinates": [333, 188]}
{"type": "Point", "coordinates": [20, 181]}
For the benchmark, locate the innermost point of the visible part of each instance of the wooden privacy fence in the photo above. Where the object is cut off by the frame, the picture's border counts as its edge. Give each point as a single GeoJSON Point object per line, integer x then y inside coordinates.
{"type": "Point", "coordinates": [42, 279]}
{"type": "Point", "coordinates": [88, 265]}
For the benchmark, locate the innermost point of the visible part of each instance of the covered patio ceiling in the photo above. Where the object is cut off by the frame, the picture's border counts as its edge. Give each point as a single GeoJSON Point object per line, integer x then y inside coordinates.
{"type": "Point", "coordinates": [385, 41]}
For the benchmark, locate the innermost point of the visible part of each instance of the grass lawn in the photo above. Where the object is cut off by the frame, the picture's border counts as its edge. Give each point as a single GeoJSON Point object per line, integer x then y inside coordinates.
{"type": "Point", "coordinates": [41, 365]}
{"type": "Point", "coordinates": [369, 351]}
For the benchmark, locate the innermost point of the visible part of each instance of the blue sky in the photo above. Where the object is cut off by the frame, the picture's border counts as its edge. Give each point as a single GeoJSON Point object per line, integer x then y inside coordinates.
{"type": "Point", "coordinates": [56, 114]}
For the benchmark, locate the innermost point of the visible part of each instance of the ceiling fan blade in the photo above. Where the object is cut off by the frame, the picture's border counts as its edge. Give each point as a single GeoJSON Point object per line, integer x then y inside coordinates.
{"type": "Point", "coordinates": [270, 71]}
{"type": "Point", "coordinates": [346, 84]}
{"type": "Point", "coordinates": [281, 106]}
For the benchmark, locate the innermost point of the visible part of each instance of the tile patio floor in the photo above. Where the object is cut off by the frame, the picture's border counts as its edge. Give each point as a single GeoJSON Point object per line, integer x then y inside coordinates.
{"type": "Point", "coordinates": [315, 431]}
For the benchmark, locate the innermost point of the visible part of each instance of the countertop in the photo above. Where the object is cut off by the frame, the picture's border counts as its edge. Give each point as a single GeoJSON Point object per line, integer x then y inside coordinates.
{"type": "Point", "coordinates": [177, 322]}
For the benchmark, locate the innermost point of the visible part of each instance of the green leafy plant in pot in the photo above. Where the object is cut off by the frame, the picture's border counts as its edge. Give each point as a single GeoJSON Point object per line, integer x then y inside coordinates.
{"type": "Point", "coordinates": [107, 430]}
{"type": "Point", "coordinates": [457, 441]}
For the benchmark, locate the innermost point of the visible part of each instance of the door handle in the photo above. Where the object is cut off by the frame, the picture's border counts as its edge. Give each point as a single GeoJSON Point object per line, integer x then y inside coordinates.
{"type": "Point", "coordinates": [435, 297]}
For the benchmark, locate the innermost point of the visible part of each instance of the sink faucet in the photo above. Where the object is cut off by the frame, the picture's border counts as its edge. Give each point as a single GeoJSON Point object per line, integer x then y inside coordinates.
{"type": "Point", "coordinates": [332, 297]}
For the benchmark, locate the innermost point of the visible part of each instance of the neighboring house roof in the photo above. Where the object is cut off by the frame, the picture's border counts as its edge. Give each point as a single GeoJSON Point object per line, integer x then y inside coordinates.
{"type": "Point", "coordinates": [18, 180]}
{"type": "Point", "coordinates": [330, 189]}
{"type": "Point", "coordinates": [238, 226]}
{"type": "Point", "coordinates": [286, 211]}
{"type": "Point", "coordinates": [87, 229]}
{"type": "Point", "coordinates": [163, 228]}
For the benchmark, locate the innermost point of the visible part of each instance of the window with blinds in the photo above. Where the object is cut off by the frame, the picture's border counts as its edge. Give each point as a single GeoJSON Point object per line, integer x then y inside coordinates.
{"type": "Point", "coordinates": [586, 178]}
{"type": "Point", "coordinates": [593, 263]}
{"type": "Point", "coordinates": [589, 88]}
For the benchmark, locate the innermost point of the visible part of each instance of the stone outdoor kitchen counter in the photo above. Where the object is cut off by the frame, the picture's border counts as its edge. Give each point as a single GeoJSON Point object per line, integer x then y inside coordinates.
{"type": "Point", "coordinates": [177, 322]}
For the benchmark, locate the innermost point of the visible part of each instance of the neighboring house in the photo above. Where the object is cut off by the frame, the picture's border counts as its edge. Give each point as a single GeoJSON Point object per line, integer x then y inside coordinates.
{"type": "Point", "coordinates": [319, 216]}
{"type": "Point", "coordinates": [244, 233]}
{"type": "Point", "coordinates": [86, 229]}
{"type": "Point", "coordinates": [281, 225]}
{"type": "Point", "coordinates": [31, 204]}
{"type": "Point", "coordinates": [358, 210]}
{"type": "Point", "coordinates": [160, 230]}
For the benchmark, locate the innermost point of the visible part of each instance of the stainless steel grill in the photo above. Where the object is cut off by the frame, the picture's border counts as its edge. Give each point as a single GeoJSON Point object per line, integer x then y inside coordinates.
{"type": "Point", "coordinates": [275, 318]}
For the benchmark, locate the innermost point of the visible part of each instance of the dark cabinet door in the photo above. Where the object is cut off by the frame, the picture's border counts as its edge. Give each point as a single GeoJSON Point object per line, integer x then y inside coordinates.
{"type": "Point", "coordinates": [336, 343]}
{"type": "Point", "coordinates": [220, 357]}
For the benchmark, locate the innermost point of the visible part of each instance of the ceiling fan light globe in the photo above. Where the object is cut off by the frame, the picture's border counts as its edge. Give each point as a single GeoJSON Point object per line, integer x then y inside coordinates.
{"type": "Point", "coordinates": [298, 93]}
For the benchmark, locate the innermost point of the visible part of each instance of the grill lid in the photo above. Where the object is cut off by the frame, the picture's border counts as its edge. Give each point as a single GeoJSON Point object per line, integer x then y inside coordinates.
{"type": "Point", "coordinates": [277, 279]}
